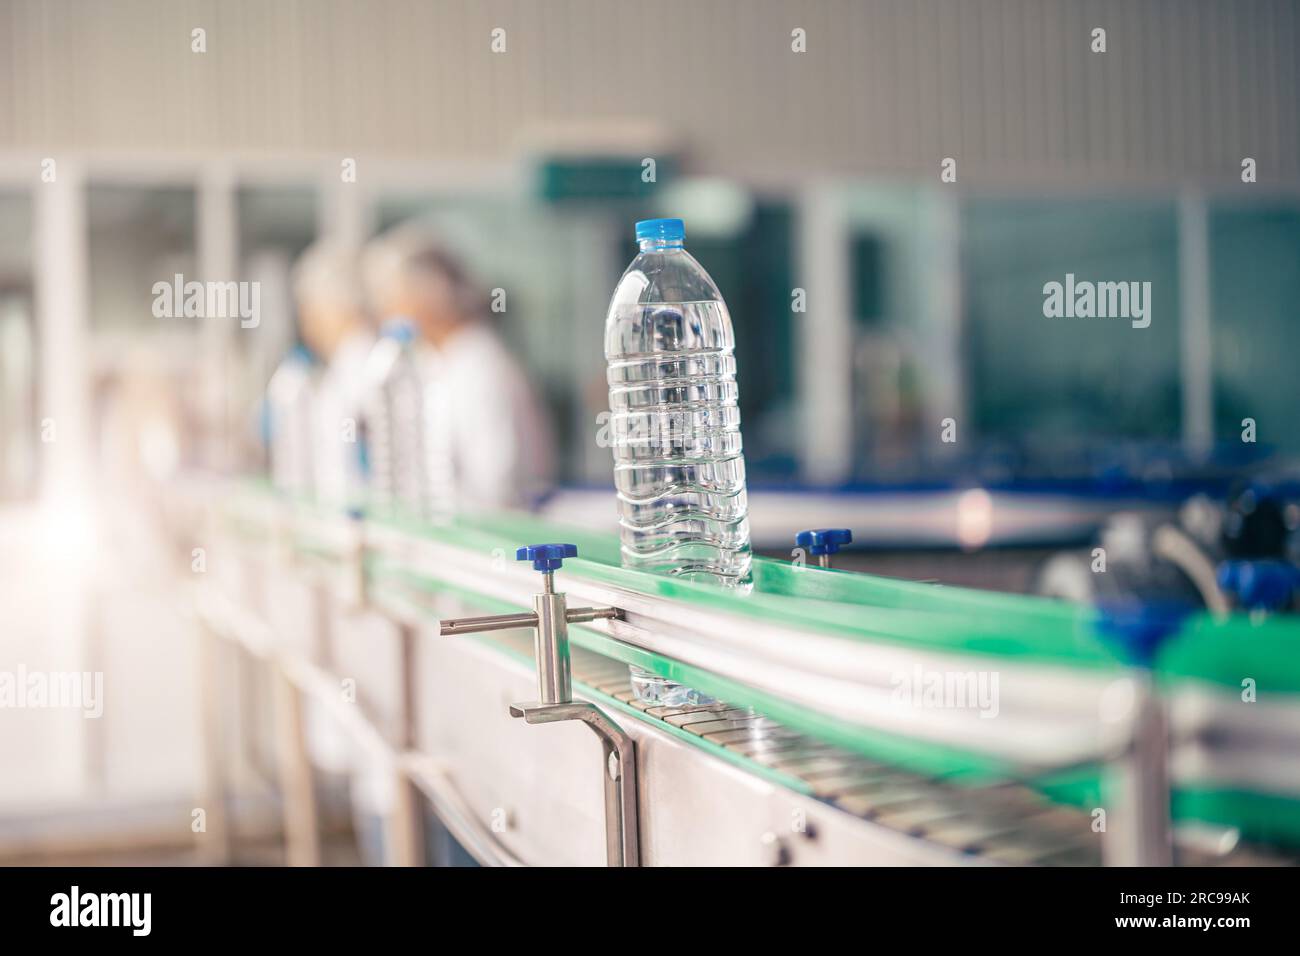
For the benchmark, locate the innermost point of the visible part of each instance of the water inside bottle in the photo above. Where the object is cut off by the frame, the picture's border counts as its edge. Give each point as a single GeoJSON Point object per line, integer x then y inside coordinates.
{"type": "Point", "coordinates": [679, 467]}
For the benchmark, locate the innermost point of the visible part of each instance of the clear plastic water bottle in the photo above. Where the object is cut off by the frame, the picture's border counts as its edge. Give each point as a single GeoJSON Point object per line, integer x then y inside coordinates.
{"type": "Point", "coordinates": [675, 425]}
{"type": "Point", "coordinates": [392, 420]}
{"type": "Point", "coordinates": [289, 423]}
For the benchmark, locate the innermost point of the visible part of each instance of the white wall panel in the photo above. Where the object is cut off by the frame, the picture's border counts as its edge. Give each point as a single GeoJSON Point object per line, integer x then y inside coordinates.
{"type": "Point", "coordinates": [1010, 87]}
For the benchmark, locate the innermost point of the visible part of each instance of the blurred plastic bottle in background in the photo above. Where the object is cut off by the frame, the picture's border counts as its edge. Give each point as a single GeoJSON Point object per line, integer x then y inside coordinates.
{"type": "Point", "coordinates": [392, 421]}
{"type": "Point", "coordinates": [675, 425]}
{"type": "Point", "coordinates": [290, 424]}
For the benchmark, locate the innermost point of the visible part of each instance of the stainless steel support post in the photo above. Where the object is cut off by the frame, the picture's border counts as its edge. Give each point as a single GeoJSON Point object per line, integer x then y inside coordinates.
{"type": "Point", "coordinates": [551, 618]}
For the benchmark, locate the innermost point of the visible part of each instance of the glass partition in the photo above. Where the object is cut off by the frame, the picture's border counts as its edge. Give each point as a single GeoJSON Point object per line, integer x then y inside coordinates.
{"type": "Point", "coordinates": [1047, 386]}
{"type": "Point", "coordinates": [138, 236]}
{"type": "Point", "coordinates": [1255, 301]}
{"type": "Point", "coordinates": [18, 342]}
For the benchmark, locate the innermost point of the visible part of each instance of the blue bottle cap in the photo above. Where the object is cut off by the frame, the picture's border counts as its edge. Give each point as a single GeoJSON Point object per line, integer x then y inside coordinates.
{"type": "Point", "coordinates": [399, 328]}
{"type": "Point", "coordinates": [665, 230]}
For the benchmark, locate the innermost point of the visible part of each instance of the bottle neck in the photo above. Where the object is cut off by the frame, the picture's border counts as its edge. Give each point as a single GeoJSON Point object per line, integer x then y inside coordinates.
{"type": "Point", "coordinates": [660, 245]}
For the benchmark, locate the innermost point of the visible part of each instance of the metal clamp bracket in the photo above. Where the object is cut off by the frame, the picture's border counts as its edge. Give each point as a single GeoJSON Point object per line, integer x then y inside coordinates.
{"type": "Point", "coordinates": [550, 619]}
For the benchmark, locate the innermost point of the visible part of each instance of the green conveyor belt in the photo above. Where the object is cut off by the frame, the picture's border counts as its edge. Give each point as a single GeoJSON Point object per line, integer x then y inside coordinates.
{"type": "Point", "coordinates": [868, 608]}
{"type": "Point", "coordinates": [865, 607]}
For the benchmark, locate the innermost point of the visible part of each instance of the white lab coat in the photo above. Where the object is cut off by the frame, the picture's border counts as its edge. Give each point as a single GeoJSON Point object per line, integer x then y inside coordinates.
{"type": "Point", "coordinates": [337, 407]}
{"type": "Point", "coordinates": [292, 430]}
{"type": "Point", "coordinates": [487, 423]}
{"type": "Point", "coordinates": [338, 398]}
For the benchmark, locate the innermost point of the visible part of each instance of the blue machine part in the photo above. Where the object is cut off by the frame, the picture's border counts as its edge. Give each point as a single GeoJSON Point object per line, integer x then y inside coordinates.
{"type": "Point", "coordinates": [1138, 629]}
{"type": "Point", "coordinates": [546, 557]}
{"type": "Point", "coordinates": [819, 541]}
{"type": "Point", "coordinates": [1259, 585]}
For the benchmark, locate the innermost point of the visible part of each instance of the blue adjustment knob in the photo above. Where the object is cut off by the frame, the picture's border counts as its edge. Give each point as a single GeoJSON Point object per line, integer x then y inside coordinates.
{"type": "Point", "coordinates": [821, 541]}
{"type": "Point", "coordinates": [1137, 629]}
{"type": "Point", "coordinates": [1259, 585]}
{"type": "Point", "coordinates": [547, 557]}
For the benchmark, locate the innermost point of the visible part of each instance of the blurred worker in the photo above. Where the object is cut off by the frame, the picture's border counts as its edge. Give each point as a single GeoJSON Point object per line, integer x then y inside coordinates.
{"type": "Point", "coordinates": [483, 413]}
{"type": "Point", "coordinates": [288, 423]}
{"type": "Point", "coordinates": [332, 322]}
{"type": "Point", "coordinates": [333, 326]}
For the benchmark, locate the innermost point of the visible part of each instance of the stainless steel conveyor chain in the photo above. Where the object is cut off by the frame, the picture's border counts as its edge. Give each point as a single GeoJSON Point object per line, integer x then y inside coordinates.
{"type": "Point", "coordinates": [1002, 823]}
